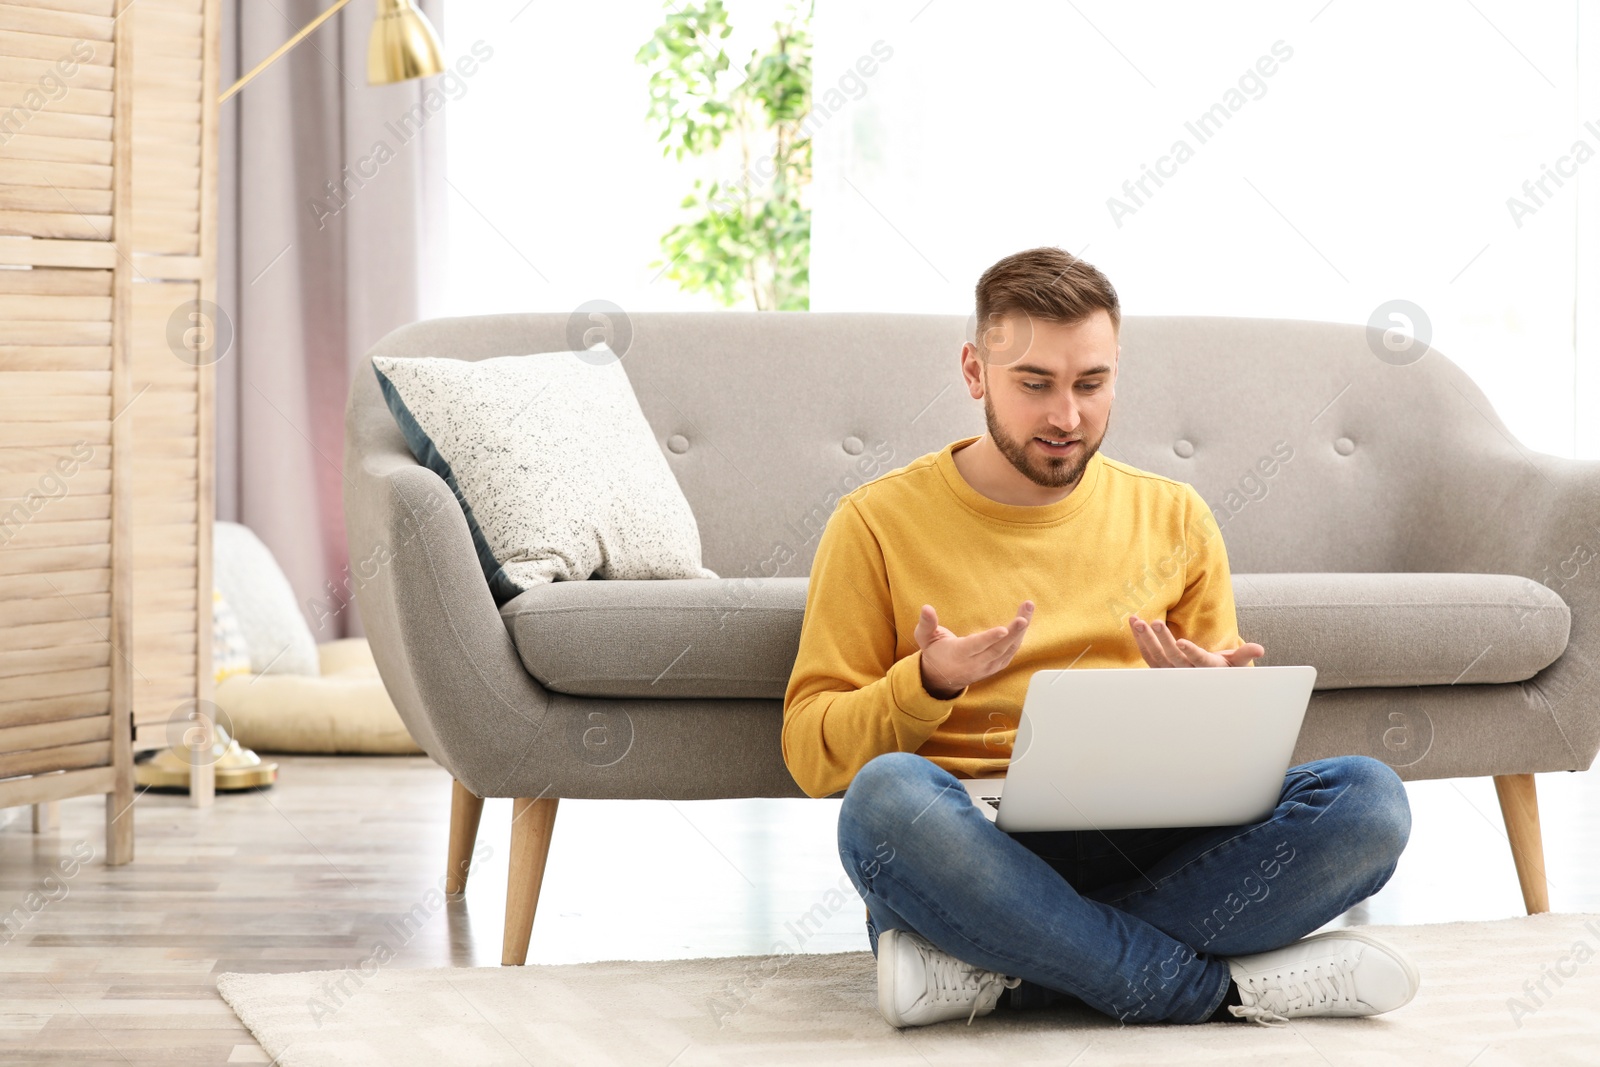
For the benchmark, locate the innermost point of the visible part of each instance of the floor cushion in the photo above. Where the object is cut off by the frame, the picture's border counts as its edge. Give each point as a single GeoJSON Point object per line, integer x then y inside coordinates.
{"type": "Point", "coordinates": [345, 709]}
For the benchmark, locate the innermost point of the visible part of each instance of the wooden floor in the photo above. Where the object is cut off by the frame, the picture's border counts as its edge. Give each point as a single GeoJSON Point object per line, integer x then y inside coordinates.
{"type": "Point", "coordinates": [119, 965]}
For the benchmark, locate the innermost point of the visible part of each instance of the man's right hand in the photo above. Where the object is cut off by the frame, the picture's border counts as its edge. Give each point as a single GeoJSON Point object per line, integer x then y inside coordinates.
{"type": "Point", "coordinates": [951, 663]}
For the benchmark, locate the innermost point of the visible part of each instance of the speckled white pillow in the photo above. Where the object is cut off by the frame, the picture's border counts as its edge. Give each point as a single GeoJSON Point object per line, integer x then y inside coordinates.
{"type": "Point", "coordinates": [553, 462]}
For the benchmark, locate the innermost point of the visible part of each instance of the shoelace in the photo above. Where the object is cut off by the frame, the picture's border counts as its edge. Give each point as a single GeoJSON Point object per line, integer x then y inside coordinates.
{"type": "Point", "coordinates": [1273, 996]}
{"type": "Point", "coordinates": [950, 979]}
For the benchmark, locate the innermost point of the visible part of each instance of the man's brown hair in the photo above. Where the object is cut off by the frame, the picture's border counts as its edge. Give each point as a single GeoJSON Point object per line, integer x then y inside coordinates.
{"type": "Point", "coordinates": [1045, 283]}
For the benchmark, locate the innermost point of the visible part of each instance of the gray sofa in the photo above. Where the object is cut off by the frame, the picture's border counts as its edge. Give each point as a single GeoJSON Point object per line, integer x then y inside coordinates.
{"type": "Point", "coordinates": [1381, 522]}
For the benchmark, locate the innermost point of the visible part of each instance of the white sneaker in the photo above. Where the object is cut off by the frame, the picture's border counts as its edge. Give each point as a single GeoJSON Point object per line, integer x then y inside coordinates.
{"type": "Point", "coordinates": [918, 984]}
{"type": "Point", "coordinates": [1337, 973]}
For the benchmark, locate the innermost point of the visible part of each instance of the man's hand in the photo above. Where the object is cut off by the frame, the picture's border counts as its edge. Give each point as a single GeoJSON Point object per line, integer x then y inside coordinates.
{"type": "Point", "coordinates": [951, 663]}
{"type": "Point", "coordinates": [1161, 649]}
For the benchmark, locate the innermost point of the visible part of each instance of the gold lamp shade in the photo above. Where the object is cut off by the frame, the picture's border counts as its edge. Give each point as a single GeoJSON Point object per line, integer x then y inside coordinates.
{"type": "Point", "coordinates": [403, 44]}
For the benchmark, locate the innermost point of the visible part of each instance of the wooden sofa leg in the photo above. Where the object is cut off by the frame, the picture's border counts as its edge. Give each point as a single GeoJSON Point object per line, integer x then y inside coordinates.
{"type": "Point", "coordinates": [531, 824]}
{"type": "Point", "coordinates": [1519, 805]}
{"type": "Point", "coordinates": [465, 811]}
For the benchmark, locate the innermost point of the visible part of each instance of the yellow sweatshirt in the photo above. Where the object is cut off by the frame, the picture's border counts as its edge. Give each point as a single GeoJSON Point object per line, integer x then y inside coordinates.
{"type": "Point", "coordinates": [1123, 541]}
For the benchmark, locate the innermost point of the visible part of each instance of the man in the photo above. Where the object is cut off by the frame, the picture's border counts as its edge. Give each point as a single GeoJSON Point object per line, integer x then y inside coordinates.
{"type": "Point", "coordinates": [937, 590]}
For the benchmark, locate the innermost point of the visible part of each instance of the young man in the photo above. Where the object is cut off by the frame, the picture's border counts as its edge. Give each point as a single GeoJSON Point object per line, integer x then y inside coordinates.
{"type": "Point", "coordinates": [937, 590]}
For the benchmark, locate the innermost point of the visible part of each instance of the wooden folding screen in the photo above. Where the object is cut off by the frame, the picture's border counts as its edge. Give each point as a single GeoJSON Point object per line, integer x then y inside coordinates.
{"type": "Point", "coordinates": [174, 222]}
{"type": "Point", "coordinates": [106, 157]}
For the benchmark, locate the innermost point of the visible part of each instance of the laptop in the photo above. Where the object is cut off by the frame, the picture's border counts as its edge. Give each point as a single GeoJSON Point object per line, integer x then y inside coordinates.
{"type": "Point", "coordinates": [1122, 748]}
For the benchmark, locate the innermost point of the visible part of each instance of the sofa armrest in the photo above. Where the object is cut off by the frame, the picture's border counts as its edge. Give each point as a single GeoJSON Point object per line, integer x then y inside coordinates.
{"type": "Point", "coordinates": [1508, 510]}
{"type": "Point", "coordinates": [434, 630]}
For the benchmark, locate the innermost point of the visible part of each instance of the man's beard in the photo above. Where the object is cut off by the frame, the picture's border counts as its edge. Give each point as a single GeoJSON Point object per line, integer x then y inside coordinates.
{"type": "Point", "coordinates": [1052, 472]}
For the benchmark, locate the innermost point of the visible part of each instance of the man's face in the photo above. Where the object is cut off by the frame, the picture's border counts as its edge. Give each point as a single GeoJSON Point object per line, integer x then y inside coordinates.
{"type": "Point", "coordinates": [1044, 382]}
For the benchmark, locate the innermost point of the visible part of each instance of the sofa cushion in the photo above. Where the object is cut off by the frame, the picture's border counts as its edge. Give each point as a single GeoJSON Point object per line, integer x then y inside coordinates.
{"type": "Point", "coordinates": [739, 637]}
{"type": "Point", "coordinates": [688, 637]}
{"type": "Point", "coordinates": [1372, 630]}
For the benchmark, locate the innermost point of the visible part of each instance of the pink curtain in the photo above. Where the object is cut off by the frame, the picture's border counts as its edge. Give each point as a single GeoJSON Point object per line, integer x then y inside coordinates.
{"type": "Point", "coordinates": [330, 232]}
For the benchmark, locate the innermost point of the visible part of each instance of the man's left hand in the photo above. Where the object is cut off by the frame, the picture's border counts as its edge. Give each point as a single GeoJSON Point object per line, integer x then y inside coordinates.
{"type": "Point", "coordinates": [1160, 649]}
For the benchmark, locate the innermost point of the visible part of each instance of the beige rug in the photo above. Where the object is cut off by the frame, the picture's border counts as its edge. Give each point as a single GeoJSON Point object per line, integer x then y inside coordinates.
{"type": "Point", "coordinates": [1481, 1005]}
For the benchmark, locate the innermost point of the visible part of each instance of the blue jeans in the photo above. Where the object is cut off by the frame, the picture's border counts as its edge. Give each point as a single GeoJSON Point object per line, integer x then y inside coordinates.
{"type": "Point", "coordinates": [1134, 923]}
